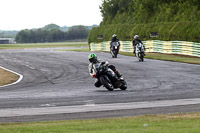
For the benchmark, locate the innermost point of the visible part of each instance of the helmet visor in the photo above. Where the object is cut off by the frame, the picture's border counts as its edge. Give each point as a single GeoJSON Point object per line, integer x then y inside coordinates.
{"type": "Point", "coordinates": [92, 60]}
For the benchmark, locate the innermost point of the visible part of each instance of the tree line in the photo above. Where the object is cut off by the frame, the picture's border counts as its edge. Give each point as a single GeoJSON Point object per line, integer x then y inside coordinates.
{"type": "Point", "coordinates": [8, 34]}
{"type": "Point", "coordinates": [170, 19]}
{"type": "Point", "coordinates": [149, 11]}
{"type": "Point", "coordinates": [51, 33]}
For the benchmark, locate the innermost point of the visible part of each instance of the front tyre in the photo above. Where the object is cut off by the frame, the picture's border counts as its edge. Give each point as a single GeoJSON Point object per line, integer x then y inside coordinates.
{"type": "Point", "coordinates": [107, 83]}
{"type": "Point", "coordinates": [113, 56]}
{"type": "Point", "coordinates": [116, 53]}
{"type": "Point", "coordinates": [142, 57]}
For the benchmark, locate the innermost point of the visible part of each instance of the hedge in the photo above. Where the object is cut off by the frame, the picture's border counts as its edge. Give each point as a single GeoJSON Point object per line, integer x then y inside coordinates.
{"type": "Point", "coordinates": [167, 31]}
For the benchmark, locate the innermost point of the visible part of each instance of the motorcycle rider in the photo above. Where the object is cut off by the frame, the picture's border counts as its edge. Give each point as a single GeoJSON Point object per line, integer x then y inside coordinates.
{"type": "Point", "coordinates": [94, 62]}
{"type": "Point", "coordinates": [114, 39]}
{"type": "Point", "coordinates": [135, 41]}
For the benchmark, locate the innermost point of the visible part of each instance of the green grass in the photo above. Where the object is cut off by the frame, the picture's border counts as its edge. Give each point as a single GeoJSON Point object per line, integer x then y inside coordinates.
{"type": "Point", "coordinates": [77, 50]}
{"type": "Point", "coordinates": [171, 123]}
{"type": "Point", "coordinates": [157, 56]}
{"type": "Point", "coordinates": [176, 58]}
{"type": "Point", "coordinates": [43, 45]}
{"type": "Point", "coordinates": [169, 57]}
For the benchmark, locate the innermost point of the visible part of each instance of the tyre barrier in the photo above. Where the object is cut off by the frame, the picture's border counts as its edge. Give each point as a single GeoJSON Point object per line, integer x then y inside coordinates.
{"type": "Point", "coordinates": [168, 47]}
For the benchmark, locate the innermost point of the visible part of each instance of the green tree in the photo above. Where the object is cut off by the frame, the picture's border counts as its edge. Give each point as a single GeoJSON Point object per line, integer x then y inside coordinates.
{"type": "Point", "coordinates": [51, 27]}
{"type": "Point", "coordinates": [78, 32]}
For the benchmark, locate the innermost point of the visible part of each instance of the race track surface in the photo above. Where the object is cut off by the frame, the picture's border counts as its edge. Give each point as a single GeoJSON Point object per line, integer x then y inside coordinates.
{"type": "Point", "coordinates": [61, 79]}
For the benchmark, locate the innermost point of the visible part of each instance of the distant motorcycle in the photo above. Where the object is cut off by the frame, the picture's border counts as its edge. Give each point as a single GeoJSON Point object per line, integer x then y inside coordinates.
{"type": "Point", "coordinates": [109, 79]}
{"type": "Point", "coordinates": [139, 51]}
{"type": "Point", "coordinates": [114, 49]}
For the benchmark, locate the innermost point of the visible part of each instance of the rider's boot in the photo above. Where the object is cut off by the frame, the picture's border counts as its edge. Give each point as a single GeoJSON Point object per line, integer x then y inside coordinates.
{"type": "Point", "coordinates": [134, 51]}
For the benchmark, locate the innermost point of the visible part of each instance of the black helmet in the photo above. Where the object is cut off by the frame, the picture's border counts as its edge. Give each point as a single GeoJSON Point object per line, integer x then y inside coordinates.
{"type": "Point", "coordinates": [92, 58]}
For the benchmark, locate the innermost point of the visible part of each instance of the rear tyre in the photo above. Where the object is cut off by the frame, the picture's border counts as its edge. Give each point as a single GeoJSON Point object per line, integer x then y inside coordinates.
{"type": "Point", "coordinates": [124, 85]}
{"type": "Point", "coordinates": [107, 83]}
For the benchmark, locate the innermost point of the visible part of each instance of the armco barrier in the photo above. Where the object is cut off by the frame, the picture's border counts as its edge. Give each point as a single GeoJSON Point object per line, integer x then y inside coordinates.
{"type": "Point", "coordinates": [169, 47]}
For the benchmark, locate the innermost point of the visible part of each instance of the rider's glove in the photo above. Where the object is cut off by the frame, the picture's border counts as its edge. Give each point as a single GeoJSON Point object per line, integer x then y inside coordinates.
{"type": "Point", "coordinates": [103, 62]}
{"type": "Point", "coordinates": [101, 67]}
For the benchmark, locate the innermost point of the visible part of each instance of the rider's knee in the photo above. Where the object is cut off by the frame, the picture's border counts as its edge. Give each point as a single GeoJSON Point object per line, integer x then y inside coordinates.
{"type": "Point", "coordinates": [97, 84]}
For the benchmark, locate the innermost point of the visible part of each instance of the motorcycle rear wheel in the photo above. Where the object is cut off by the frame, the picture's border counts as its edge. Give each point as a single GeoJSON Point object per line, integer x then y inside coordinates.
{"type": "Point", "coordinates": [124, 85]}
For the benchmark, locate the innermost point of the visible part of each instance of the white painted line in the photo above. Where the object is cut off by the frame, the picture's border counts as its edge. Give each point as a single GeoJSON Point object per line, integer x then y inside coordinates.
{"type": "Point", "coordinates": [19, 79]}
{"type": "Point", "coordinates": [95, 107]}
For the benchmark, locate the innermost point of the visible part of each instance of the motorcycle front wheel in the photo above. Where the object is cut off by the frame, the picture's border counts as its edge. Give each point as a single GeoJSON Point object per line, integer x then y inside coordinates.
{"type": "Point", "coordinates": [113, 56]}
{"type": "Point", "coordinates": [142, 57]}
{"type": "Point", "coordinates": [106, 83]}
{"type": "Point", "coordinates": [116, 53]}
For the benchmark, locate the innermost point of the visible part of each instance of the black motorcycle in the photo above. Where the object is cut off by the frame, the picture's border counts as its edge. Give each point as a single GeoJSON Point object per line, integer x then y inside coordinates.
{"type": "Point", "coordinates": [114, 49]}
{"type": "Point", "coordinates": [109, 79]}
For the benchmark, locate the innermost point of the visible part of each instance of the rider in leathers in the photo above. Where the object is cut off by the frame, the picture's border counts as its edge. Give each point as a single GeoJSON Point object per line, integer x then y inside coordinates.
{"type": "Point", "coordinates": [94, 63]}
{"type": "Point", "coordinates": [114, 39]}
{"type": "Point", "coordinates": [136, 41]}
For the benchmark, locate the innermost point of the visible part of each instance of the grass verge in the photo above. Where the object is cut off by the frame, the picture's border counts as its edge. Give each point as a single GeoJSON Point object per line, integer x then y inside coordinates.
{"type": "Point", "coordinates": [169, 57]}
{"type": "Point", "coordinates": [76, 50]}
{"type": "Point", "coordinates": [7, 77]}
{"type": "Point", "coordinates": [44, 45]}
{"type": "Point", "coordinates": [158, 56]}
{"type": "Point", "coordinates": [171, 123]}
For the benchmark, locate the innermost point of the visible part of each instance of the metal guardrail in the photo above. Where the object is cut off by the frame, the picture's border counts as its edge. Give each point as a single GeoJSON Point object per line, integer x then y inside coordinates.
{"type": "Point", "coordinates": [169, 47]}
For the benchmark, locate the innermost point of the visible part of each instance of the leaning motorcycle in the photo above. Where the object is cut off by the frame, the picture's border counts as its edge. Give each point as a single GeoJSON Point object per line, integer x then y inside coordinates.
{"type": "Point", "coordinates": [139, 51]}
{"type": "Point", "coordinates": [109, 79]}
{"type": "Point", "coordinates": [114, 49]}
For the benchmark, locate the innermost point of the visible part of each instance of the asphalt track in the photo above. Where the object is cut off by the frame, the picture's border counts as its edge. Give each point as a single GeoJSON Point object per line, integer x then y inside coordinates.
{"type": "Point", "coordinates": [56, 86]}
